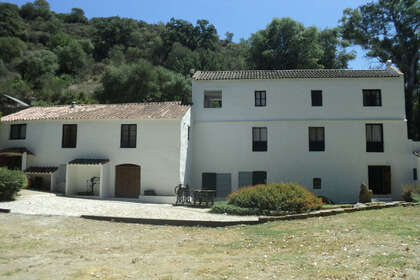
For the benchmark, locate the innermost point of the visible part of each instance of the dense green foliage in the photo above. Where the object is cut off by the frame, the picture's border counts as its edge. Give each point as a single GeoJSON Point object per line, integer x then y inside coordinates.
{"type": "Point", "coordinates": [11, 182]}
{"type": "Point", "coordinates": [222, 207]}
{"type": "Point", "coordinates": [275, 197]}
{"type": "Point", "coordinates": [389, 29]}
{"type": "Point", "coordinates": [52, 58]}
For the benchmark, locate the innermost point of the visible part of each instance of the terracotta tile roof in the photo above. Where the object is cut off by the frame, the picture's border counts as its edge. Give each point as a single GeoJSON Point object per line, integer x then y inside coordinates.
{"type": "Point", "coordinates": [292, 74]}
{"type": "Point", "coordinates": [19, 150]}
{"type": "Point", "coordinates": [152, 110]}
{"type": "Point", "coordinates": [38, 169]}
{"type": "Point", "coordinates": [88, 161]}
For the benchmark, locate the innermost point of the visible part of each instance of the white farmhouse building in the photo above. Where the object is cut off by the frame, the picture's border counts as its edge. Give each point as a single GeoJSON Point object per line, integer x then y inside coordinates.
{"type": "Point", "coordinates": [125, 150]}
{"type": "Point", "coordinates": [329, 130]}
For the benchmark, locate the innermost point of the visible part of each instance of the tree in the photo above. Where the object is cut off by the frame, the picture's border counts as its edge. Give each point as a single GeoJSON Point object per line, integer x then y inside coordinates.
{"type": "Point", "coordinates": [181, 59]}
{"type": "Point", "coordinates": [112, 31]}
{"type": "Point", "coordinates": [128, 83]}
{"type": "Point", "coordinates": [11, 24]}
{"type": "Point", "coordinates": [389, 30]}
{"type": "Point", "coordinates": [334, 54]}
{"type": "Point", "coordinates": [173, 86]}
{"type": "Point", "coordinates": [38, 63]}
{"type": "Point", "coordinates": [11, 48]}
{"type": "Point", "coordinates": [77, 15]}
{"type": "Point", "coordinates": [287, 44]}
{"type": "Point", "coordinates": [39, 8]}
{"type": "Point", "coordinates": [72, 58]}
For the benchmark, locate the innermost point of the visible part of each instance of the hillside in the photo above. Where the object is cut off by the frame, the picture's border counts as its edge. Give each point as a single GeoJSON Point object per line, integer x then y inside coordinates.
{"type": "Point", "coordinates": [53, 58]}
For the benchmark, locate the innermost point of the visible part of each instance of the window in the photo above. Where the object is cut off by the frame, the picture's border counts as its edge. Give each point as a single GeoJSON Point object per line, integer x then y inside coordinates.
{"type": "Point", "coordinates": [259, 139]}
{"type": "Point", "coordinates": [220, 182]}
{"type": "Point", "coordinates": [259, 177]}
{"type": "Point", "coordinates": [69, 136]}
{"type": "Point", "coordinates": [372, 97]}
{"type": "Point", "coordinates": [374, 138]}
{"type": "Point", "coordinates": [17, 131]}
{"type": "Point", "coordinates": [212, 99]}
{"type": "Point", "coordinates": [316, 96]}
{"type": "Point", "coordinates": [189, 133]}
{"type": "Point", "coordinates": [252, 178]}
{"type": "Point", "coordinates": [260, 98]}
{"type": "Point", "coordinates": [415, 174]}
{"type": "Point", "coordinates": [316, 183]}
{"type": "Point", "coordinates": [128, 135]}
{"type": "Point", "coordinates": [316, 139]}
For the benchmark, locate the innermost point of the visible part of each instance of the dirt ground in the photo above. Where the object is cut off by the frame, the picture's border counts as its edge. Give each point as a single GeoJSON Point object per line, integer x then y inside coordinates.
{"type": "Point", "coordinates": [376, 244]}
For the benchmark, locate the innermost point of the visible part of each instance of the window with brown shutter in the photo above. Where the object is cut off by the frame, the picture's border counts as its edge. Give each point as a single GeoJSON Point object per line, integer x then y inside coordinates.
{"type": "Point", "coordinates": [69, 138]}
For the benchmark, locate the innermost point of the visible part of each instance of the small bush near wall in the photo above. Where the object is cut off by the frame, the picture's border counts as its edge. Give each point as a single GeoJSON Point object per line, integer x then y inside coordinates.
{"type": "Point", "coordinates": [289, 197]}
{"type": "Point", "coordinates": [11, 182]}
{"type": "Point", "coordinates": [411, 193]}
{"type": "Point", "coordinates": [365, 194]}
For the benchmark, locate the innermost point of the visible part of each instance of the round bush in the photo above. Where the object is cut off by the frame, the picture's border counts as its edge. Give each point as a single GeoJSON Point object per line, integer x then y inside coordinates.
{"type": "Point", "coordinates": [289, 197]}
{"type": "Point", "coordinates": [11, 182]}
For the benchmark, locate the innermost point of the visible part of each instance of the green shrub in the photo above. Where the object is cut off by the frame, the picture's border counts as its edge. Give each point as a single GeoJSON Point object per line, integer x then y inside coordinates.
{"type": "Point", "coordinates": [411, 193]}
{"type": "Point", "coordinates": [223, 207]}
{"type": "Point", "coordinates": [288, 197]}
{"type": "Point", "coordinates": [11, 182]}
{"type": "Point", "coordinates": [365, 194]}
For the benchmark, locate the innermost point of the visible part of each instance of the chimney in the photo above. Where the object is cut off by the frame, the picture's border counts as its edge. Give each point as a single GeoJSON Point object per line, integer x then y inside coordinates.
{"type": "Point", "coordinates": [73, 104]}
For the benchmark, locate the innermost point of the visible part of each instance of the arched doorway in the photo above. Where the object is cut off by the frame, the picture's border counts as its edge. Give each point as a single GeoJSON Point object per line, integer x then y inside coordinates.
{"type": "Point", "coordinates": [127, 180]}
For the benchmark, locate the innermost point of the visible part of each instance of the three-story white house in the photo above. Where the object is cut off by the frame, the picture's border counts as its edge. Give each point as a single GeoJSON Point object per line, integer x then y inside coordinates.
{"type": "Point", "coordinates": [329, 130]}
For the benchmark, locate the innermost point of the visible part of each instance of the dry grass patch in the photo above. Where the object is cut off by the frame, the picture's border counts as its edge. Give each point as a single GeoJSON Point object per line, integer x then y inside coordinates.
{"type": "Point", "coordinates": [377, 244]}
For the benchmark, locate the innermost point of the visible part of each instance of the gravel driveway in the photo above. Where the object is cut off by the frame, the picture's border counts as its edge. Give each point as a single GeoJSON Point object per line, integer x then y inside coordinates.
{"type": "Point", "coordinates": [43, 203]}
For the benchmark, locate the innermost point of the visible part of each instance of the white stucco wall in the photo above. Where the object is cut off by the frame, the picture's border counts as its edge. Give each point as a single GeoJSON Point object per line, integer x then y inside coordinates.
{"type": "Point", "coordinates": [78, 175]}
{"type": "Point", "coordinates": [185, 150]}
{"type": "Point", "coordinates": [157, 151]}
{"type": "Point", "coordinates": [223, 136]}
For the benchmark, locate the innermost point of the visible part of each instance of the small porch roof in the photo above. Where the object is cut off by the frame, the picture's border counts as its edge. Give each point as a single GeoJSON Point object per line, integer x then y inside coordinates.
{"type": "Point", "coordinates": [15, 151]}
{"type": "Point", "coordinates": [88, 161]}
{"type": "Point", "coordinates": [41, 170]}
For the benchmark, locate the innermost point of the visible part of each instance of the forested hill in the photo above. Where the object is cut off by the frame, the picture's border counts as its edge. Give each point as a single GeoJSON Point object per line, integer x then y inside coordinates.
{"type": "Point", "coordinates": [53, 58]}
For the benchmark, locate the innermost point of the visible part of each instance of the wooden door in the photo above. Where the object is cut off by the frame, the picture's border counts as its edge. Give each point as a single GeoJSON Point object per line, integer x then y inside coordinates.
{"type": "Point", "coordinates": [127, 181]}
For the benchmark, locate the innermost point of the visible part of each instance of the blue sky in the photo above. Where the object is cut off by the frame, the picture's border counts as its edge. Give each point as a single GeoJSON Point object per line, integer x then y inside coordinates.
{"type": "Point", "coordinates": [241, 17]}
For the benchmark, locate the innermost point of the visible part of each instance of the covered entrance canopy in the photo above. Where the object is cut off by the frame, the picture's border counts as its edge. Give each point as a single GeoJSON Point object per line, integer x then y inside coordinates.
{"type": "Point", "coordinates": [42, 177]}
{"type": "Point", "coordinates": [15, 158]}
{"type": "Point", "coordinates": [84, 176]}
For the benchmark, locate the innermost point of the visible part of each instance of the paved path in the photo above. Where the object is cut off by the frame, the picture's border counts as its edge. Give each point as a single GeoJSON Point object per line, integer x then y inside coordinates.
{"type": "Point", "coordinates": [43, 203]}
